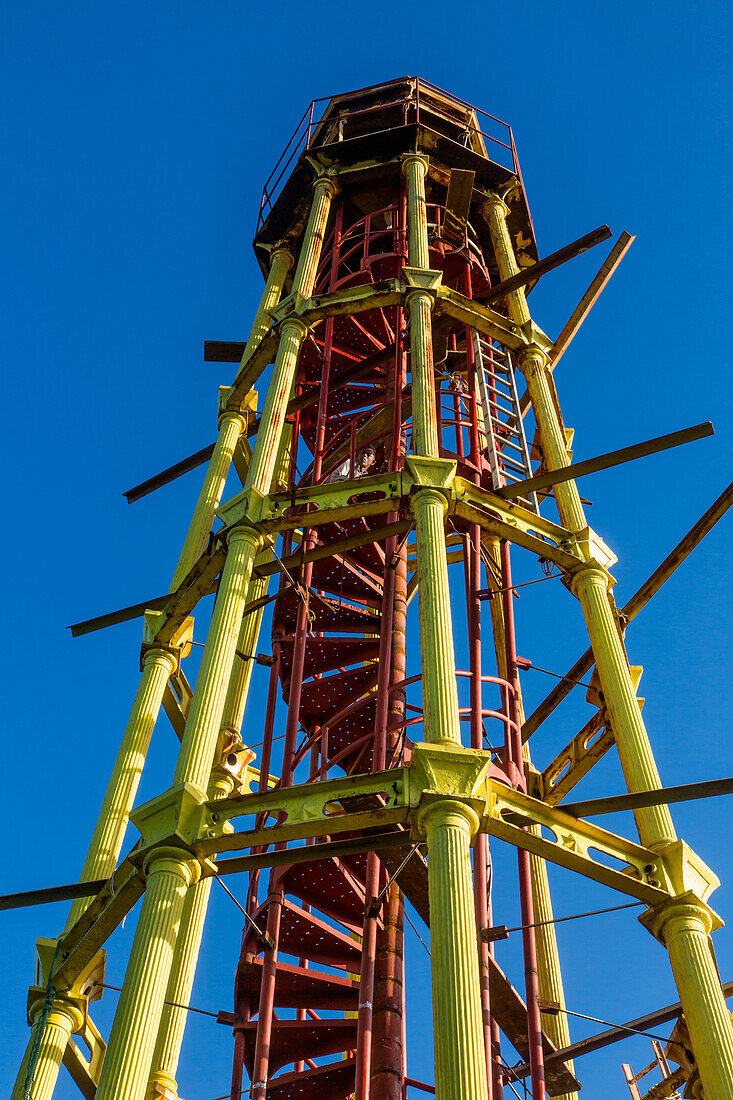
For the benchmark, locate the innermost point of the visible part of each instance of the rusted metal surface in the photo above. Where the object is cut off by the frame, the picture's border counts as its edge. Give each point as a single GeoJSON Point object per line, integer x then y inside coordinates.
{"type": "Point", "coordinates": [555, 259]}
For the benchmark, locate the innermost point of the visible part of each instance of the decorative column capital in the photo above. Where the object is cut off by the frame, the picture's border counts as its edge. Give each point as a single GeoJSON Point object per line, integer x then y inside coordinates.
{"type": "Point", "coordinates": [687, 913]}
{"type": "Point", "coordinates": [293, 326]}
{"type": "Point", "coordinates": [494, 204]}
{"type": "Point", "coordinates": [169, 860]}
{"type": "Point", "coordinates": [428, 496]}
{"type": "Point", "coordinates": [532, 359]}
{"type": "Point", "coordinates": [448, 813]}
{"type": "Point", "coordinates": [419, 160]}
{"type": "Point", "coordinates": [282, 253]}
{"type": "Point", "coordinates": [243, 533]}
{"type": "Point", "coordinates": [419, 297]}
{"type": "Point", "coordinates": [69, 1009]}
{"type": "Point", "coordinates": [154, 653]}
{"type": "Point", "coordinates": [326, 184]}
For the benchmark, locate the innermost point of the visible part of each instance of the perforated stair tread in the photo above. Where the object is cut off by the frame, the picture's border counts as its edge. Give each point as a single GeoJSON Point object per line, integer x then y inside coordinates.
{"type": "Point", "coordinates": [340, 578]}
{"type": "Point", "coordinates": [326, 654]}
{"type": "Point", "coordinates": [322, 700]}
{"type": "Point", "coordinates": [301, 987]}
{"type": "Point", "coordinates": [294, 1040]}
{"type": "Point", "coordinates": [331, 1082]}
{"type": "Point", "coordinates": [349, 334]}
{"type": "Point", "coordinates": [351, 730]}
{"type": "Point", "coordinates": [370, 555]}
{"type": "Point", "coordinates": [331, 887]}
{"type": "Point", "coordinates": [334, 616]}
{"type": "Point", "coordinates": [304, 935]}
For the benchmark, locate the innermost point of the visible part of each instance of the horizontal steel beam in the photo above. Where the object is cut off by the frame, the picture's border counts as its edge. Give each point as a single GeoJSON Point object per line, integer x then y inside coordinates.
{"type": "Point", "coordinates": [686, 792]}
{"type": "Point", "coordinates": [312, 852]}
{"type": "Point", "coordinates": [52, 893]}
{"type": "Point", "coordinates": [178, 469]}
{"type": "Point", "coordinates": [606, 461]}
{"type": "Point", "coordinates": [535, 271]}
{"type": "Point", "coordinates": [122, 615]}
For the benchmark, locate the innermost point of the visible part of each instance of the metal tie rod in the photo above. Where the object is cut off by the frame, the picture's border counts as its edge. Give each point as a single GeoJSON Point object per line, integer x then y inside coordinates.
{"type": "Point", "coordinates": [614, 1034]}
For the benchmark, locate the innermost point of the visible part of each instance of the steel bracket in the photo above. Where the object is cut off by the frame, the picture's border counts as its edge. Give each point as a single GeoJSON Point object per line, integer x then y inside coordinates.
{"type": "Point", "coordinates": [354, 299]}
{"type": "Point", "coordinates": [590, 549]}
{"type": "Point", "coordinates": [173, 819]}
{"type": "Point", "coordinates": [306, 810]}
{"type": "Point", "coordinates": [640, 872]}
{"type": "Point", "coordinates": [178, 646]}
{"type": "Point", "coordinates": [517, 524]}
{"type": "Point", "coordinates": [421, 278]}
{"type": "Point", "coordinates": [485, 320]}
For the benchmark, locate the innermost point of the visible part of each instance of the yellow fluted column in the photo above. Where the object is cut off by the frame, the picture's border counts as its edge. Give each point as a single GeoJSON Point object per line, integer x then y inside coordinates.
{"type": "Point", "coordinates": [46, 1050]}
{"type": "Point", "coordinates": [109, 832]}
{"type": "Point", "coordinates": [183, 971]}
{"type": "Point", "coordinates": [281, 260]}
{"type": "Point", "coordinates": [130, 1049]}
{"type": "Point", "coordinates": [249, 633]}
{"type": "Point", "coordinates": [460, 1055]}
{"type": "Point", "coordinates": [415, 168]}
{"type": "Point", "coordinates": [654, 824]}
{"type": "Point", "coordinates": [207, 706]}
{"type": "Point", "coordinates": [132, 1040]}
{"type": "Point", "coordinates": [231, 425]}
{"type": "Point", "coordinates": [440, 697]}
{"type": "Point", "coordinates": [640, 771]}
{"type": "Point", "coordinates": [419, 304]}
{"type": "Point", "coordinates": [682, 927]}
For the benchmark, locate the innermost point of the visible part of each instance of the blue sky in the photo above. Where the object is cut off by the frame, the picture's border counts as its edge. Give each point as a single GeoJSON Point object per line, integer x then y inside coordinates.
{"type": "Point", "coordinates": [136, 139]}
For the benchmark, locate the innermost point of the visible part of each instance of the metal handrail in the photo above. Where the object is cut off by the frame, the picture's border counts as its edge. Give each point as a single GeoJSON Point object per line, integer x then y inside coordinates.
{"type": "Point", "coordinates": [305, 131]}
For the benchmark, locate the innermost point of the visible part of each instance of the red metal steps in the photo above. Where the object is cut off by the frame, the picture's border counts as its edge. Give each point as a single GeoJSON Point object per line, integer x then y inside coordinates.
{"type": "Point", "coordinates": [295, 1040]}
{"type": "Point", "coordinates": [331, 887]}
{"type": "Point", "coordinates": [304, 935]}
{"type": "Point", "coordinates": [326, 654]}
{"type": "Point", "coordinates": [331, 615]}
{"type": "Point", "coordinates": [332, 1082]}
{"type": "Point", "coordinates": [301, 987]}
{"type": "Point", "coordinates": [341, 578]}
{"type": "Point", "coordinates": [321, 700]}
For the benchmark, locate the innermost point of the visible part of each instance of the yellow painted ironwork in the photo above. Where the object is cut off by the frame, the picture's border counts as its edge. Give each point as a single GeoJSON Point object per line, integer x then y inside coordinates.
{"type": "Point", "coordinates": [446, 795]}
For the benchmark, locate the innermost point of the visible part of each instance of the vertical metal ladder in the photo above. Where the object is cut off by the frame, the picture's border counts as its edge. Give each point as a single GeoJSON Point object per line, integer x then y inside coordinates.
{"type": "Point", "coordinates": [503, 427]}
